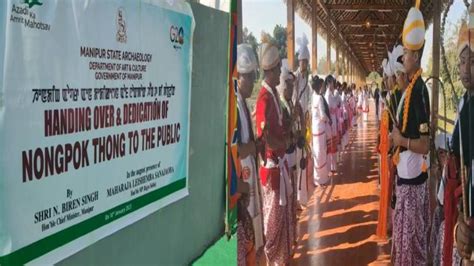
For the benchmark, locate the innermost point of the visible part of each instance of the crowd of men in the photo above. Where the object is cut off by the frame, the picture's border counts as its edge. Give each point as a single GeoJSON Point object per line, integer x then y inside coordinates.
{"type": "Point", "coordinates": [302, 123]}
{"type": "Point", "coordinates": [302, 126]}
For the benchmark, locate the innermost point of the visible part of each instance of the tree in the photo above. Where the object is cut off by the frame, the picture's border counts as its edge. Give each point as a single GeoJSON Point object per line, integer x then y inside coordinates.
{"type": "Point", "coordinates": [373, 76]}
{"type": "Point", "coordinates": [452, 60]}
{"type": "Point", "coordinates": [279, 36]}
{"type": "Point", "coordinates": [249, 38]}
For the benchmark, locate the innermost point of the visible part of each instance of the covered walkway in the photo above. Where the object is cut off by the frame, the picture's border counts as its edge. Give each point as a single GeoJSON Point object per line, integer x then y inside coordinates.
{"type": "Point", "coordinates": [341, 219]}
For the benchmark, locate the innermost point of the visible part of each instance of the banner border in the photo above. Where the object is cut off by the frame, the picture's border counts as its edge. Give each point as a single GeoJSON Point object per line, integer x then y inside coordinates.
{"type": "Point", "coordinates": [67, 235]}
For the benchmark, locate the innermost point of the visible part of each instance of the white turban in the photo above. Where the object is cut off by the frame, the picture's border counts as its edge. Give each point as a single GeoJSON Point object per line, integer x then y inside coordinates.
{"type": "Point", "coordinates": [246, 61]}
{"type": "Point", "coordinates": [414, 29]}
{"type": "Point", "coordinates": [269, 56]}
{"type": "Point", "coordinates": [284, 76]}
{"type": "Point", "coordinates": [394, 58]}
{"type": "Point", "coordinates": [303, 52]}
{"type": "Point", "coordinates": [387, 69]}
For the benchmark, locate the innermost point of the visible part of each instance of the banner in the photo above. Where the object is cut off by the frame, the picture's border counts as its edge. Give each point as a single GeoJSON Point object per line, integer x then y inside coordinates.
{"type": "Point", "coordinates": [232, 159]}
{"type": "Point", "coordinates": [94, 120]}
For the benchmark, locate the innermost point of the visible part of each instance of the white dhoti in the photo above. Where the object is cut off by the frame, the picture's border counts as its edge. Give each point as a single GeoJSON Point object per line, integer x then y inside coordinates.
{"type": "Point", "coordinates": [365, 109]}
{"type": "Point", "coordinates": [320, 157]}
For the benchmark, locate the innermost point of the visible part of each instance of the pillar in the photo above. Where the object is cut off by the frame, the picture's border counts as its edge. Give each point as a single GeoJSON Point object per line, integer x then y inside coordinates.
{"type": "Point", "coordinates": [328, 51]}
{"type": "Point", "coordinates": [314, 43]}
{"type": "Point", "coordinates": [337, 60]}
{"type": "Point", "coordinates": [239, 22]}
{"type": "Point", "coordinates": [290, 33]}
{"type": "Point", "coordinates": [436, 62]}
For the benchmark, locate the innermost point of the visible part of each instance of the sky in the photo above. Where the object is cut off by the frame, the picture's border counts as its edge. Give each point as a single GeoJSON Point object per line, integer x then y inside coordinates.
{"type": "Point", "coordinates": [263, 15]}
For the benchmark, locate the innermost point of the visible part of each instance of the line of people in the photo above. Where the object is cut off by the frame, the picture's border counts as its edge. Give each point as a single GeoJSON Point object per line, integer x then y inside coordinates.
{"type": "Point", "coordinates": [419, 236]}
{"type": "Point", "coordinates": [302, 125]}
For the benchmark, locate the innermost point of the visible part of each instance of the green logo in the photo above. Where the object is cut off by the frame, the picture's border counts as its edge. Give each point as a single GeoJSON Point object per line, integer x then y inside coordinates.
{"type": "Point", "coordinates": [32, 3]}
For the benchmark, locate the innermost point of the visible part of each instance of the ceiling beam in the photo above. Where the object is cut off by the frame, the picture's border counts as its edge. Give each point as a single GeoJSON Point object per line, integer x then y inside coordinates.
{"type": "Point", "coordinates": [365, 42]}
{"type": "Point", "coordinates": [369, 39]}
{"type": "Point", "coordinates": [368, 7]}
{"type": "Point", "coordinates": [370, 34]}
{"type": "Point", "coordinates": [367, 48]}
{"type": "Point", "coordinates": [372, 22]}
{"type": "Point", "coordinates": [326, 11]}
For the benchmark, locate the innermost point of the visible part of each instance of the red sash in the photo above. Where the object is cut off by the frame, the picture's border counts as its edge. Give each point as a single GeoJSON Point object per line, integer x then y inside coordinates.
{"type": "Point", "coordinates": [452, 192]}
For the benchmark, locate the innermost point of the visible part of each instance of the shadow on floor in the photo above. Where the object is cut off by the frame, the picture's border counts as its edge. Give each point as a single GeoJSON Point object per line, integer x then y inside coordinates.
{"type": "Point", "coordinates": [353, 256]}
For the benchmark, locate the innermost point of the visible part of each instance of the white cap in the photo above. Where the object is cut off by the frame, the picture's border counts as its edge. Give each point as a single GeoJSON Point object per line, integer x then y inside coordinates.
{"type": "Point", "coordinates": [414, 29]}
{"type": "Point", "coordinates": [303, 52]}
{"type": "Point", "coordinates": [246, 61]}
{"type": "Point", "coordinates": [284, 76]}
{"type": "Point", "coordinates": [269, 55]}
{"type": "Point", "coordinates": [388, 67]}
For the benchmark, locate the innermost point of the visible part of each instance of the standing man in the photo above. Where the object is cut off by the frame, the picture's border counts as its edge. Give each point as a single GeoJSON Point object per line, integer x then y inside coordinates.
{"type": "Point", "coordinates": [285, 90]}
{"type": "Point", "coordinates": [333, 134]}
{"type": "Point", "coordinates": [397, 79]}
{"type": "Point", "coordinates": [411, 219]}
{"type": "Point", "coordinates": [463, 144]}
{"type": "Point", "coordinates": [270, 131]}
{"type": "Point", "coordinates": [376, 98]}
{"type": "Point", "coordinates": [249, 214]}
{"type": "Point", "coordinates": [319, 124]}
{"type": "Point", "coordinates": [302, 101]}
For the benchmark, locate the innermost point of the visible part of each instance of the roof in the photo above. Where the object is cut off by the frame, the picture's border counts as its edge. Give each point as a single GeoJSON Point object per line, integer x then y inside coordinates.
{"type": "Point", "coordinates": [365, 27]}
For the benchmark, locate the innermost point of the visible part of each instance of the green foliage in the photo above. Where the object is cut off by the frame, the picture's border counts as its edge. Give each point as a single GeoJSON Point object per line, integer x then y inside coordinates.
{"type": "Point", "coordinates": [279, 36]}
{"type": "Point", "coordinates": [249, 38]}
{"type": "Point", "coordinates": [373, 76]}
{"type": "Point", "coordinates": [452, 60]}
{"type": "Point", "coordinates": [374, 80]}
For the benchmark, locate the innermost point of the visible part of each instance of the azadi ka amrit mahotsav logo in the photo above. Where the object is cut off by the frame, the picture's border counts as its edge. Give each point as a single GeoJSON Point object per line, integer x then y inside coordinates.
{"type": "Point", "coordinates": [32, 3]}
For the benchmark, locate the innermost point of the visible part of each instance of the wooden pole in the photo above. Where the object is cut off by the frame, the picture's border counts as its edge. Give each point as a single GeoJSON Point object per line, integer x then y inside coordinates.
{"type": "Point", "coordinates": [337, 60]}
{"type": "Point", "coordinates": [328, 51]}
{"type": "Point", "coordinates": [314, 36]}
{"type": "Point", "coordinates": [346, 68]}
{"type": "Point", "coordinates": [239, 22]}
{"type": "Point", "coordinates": [290, 33]}
{"type": "Point", "coordinates": [436, 62]}
{"type": "Point", "coordinates": [435, 91]}
{"type": "Point", "coordinates": [350, 72]}
{"type": "Point", "coordinates": [343, 66]}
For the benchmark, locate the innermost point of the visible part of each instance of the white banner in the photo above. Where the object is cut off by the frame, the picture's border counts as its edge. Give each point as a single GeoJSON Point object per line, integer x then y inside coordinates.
{"type": "Point", "coordinates": [94, 120]}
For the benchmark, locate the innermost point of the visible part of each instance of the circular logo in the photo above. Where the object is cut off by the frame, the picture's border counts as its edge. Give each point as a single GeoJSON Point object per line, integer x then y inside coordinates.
{"type": "Point", "coordinates": [177, 34]}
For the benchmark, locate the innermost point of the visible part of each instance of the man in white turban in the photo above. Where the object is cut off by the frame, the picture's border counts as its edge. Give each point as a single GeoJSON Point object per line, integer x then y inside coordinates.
{"type": "Point", "coordinates": [285, 90]}
{"type": "Point", "coordinates": [412, 141]}
{"type": "Point", "coordinates": [302, 101]}
{"type": "Point", "coordinates": [249, 210]}
{"type": "Point", "coordinates": [274, 139]}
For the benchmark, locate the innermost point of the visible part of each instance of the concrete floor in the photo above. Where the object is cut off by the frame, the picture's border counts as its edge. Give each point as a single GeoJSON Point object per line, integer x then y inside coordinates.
{"type": "Point", "coordinates": [338, 227]}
